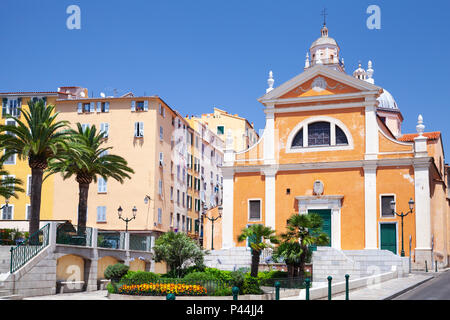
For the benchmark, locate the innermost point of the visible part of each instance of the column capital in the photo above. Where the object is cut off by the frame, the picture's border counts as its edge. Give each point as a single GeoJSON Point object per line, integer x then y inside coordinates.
{"type": "Point", "coordinates": [270, 171]}
{"type": "Point", "coordinates": [370, 167]}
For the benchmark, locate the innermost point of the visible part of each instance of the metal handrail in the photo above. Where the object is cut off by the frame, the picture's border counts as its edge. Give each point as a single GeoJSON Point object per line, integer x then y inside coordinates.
{"type": "Point", "coordinates": [29, 248]}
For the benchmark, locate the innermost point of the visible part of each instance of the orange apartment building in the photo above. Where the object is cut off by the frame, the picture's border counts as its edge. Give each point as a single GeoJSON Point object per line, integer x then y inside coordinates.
{"type": "Point", "coordinates": [333, 145]}
{"type": "Point", "coordinates": [162, 149]}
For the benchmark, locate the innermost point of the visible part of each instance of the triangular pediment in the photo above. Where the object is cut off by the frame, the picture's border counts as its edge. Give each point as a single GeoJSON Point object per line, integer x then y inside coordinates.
{"type": "Point", "coordinates": [319, 81]}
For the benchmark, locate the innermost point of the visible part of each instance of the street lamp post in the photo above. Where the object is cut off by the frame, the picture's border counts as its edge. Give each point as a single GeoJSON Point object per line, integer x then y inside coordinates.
{"type": "Point", "coordinates": [402, 215]}
{"type": "Point", "coordinates": [120, 211]}
{"type": "Point", "coordinates": [212, 224]}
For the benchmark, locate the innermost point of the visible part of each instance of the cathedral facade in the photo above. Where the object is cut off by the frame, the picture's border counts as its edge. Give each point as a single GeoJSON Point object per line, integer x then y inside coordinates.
{"type": "Point", "coordinates": [333, 145]}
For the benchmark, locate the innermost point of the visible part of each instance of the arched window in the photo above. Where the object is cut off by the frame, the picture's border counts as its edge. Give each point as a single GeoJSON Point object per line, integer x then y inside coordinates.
{"type": "Point", "coordinates": [323, 133]}
{"type": "Point", "coordinates": [341, 138]}
{"type": "Point", "coordinates": [319, 134]}
{"type": "Point", "coordinates": [298, 140]}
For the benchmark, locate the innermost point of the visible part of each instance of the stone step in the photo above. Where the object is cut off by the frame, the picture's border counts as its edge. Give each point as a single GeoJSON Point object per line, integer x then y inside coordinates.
{"type": "Point", "coordinates": [12, 297]}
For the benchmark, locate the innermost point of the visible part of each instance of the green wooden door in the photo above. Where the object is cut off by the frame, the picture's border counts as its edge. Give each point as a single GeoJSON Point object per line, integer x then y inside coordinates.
{"type": "Point", "coordinates": [326, 225]}
{"type": "Point", "coordinates": [388, 237]}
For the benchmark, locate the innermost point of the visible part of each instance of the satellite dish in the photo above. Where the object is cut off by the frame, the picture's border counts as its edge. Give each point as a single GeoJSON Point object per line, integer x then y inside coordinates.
{"type": "Point", "coordinates": [102, 94]}
{"type": "Point", "coordinates": [82, 95]}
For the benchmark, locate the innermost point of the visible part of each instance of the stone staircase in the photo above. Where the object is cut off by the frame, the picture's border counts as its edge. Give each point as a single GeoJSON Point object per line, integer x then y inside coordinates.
{"type": "Point", "coordinates": [357, 263]}
{"type": "Point", "coordinates": [229, 259]}
{"type": "Point", "coordinates": [5, 260]}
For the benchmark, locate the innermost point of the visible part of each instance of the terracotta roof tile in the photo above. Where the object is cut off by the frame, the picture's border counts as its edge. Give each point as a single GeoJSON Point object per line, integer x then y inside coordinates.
{"type": "Point", "coordinates": [410, 137]}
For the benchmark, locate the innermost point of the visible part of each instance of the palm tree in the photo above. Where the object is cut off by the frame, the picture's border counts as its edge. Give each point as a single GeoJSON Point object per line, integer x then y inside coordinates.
{"type": "Point", "coordinates": [260, 237]}
{"type": "Point", "coordinates": [38, 139]}
{"type": "Point", "coordinates": [9, 186]}
{"type": "Point", "coordinates": [86, 160]}
{"type": "Point", "coordinates": [303, 231]}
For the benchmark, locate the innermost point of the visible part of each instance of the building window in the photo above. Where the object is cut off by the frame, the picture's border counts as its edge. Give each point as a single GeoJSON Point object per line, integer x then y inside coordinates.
{"type": "Point", "coordinates": [84, 126]}
{"type": "Point", "coordinates": [28, 212]}
{"type": "Point", "coordinates": [298, 140]}
{"type": "Point", "coordinates": [171, 193]}
{"type": "Point", "coordinates": [138, 129]}
{"type": "Point", "coordinates": [104, 128]}
{"type": "Point", "coordinates": [101, 214]}
{"type": "Point", "coordinates": [160, 187]}
{"type": "Point", "coordinates": [341, 138]}
{"type": "Point", "coordinates": [86, 107]}
{"type": "Point", "coordinates": [101, 184]}
{"type": "Point", "coordinates": [29, 185]}
{"type": "Point", "coordinates": [386, 210]}
{"type": "Point", "coordinates": [140, 106]}
{"type": "Point", "coordinates": [11, 107]}
{"type": "Point", "coordinates": [159, 216]}
{"type": "Point", "coordinates": [8, 212]}
{"type": "Point", "coordinates": [10, 160]}
{"type": "Point", "coordinates": [254, 210]}
{"type": "Point", "coordinates": [319, 134]}
{"type": "Point", "coordinates": [161, 133]}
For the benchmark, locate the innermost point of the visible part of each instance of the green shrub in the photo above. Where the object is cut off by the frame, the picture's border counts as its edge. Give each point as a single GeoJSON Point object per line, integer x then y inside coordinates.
{"type": "Point", "coordinates": [139, 277]}
{"type": "Point", "coordinates": [251, 286]}
{"type": "Point", "coordinates": [200, 276]}
{"type": "Point", "coordinates": [221, 292]}
{"type": "Point", "coordinates": [274, 274]}
{"type": "Point", "coordinates": [219, 274]}
{"type": "Point", "coordinates": [110, 288]}
{"type": "Point", "coordinates": [237, 279]}
{"type": "Point", "coordinates": [116, 271]}
{"type": "Point", "coordinates": [199, 268]}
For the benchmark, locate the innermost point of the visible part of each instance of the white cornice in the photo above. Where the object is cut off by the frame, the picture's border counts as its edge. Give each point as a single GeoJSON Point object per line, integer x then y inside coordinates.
{"type": "Point", "coordinates": [330, 97]}
{"type": "Point", "coordinates": [416, 162]}
{"type": "Point", "coordinates": [311, 73]}
{"type": "Point", "coordinates": [316, 107]}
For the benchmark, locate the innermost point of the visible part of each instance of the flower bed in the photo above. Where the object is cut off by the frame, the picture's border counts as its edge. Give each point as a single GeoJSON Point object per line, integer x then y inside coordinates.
{"type": "Point", "coordinates": [159, 289]}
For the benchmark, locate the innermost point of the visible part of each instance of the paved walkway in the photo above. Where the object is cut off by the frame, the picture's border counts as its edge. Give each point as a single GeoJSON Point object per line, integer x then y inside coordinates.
{"type": "Point", "coordinates": [94, 295]}
{"type": "Point", "coordinates": [381, 291]}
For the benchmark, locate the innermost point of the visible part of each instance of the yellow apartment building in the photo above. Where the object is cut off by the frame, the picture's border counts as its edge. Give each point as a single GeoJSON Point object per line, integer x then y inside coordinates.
{"type": "Point", "coordinates": [220, 122]}
{"type": "Point", "coordinates": [14, 103]}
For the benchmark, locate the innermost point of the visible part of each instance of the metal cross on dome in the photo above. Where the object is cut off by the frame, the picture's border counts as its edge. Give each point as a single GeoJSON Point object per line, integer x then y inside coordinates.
{"type": "Point", "coordinates": [324, 14]}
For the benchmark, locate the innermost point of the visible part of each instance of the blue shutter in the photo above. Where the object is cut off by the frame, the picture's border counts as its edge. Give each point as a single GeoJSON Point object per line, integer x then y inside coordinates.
{"type": "Point", "coordinates": [80, 107]}
{"type": "Point", "coordinates": [19, 107]}
{"type": "Point", "coordinates": [146, 105]}
{"type": "Point", "coordinates": [99, 106]}
{"type": "Point", "coordinates": [106, 106]}
{"type": "Point", "coordinates": [133, 105]}
{"type": "Point", "coordinates": [92, 107]}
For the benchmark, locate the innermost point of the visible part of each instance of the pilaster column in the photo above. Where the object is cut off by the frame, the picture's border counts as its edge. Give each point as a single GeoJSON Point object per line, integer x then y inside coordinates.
{"type": "Point", "coordinates": [336, 228]}
{"type": "Point", "coordinates": [422, 206]}
{"type": "Point", "coordinates": [371, 128]}
{"type": "Point", "coordinates": [270, 214]}
{"type": "Point", "coordinates": [269, 136]}
{"type": "Point", "coordinates": [228, 212]}
{"type": "Point", "coordinates": [370, 206]}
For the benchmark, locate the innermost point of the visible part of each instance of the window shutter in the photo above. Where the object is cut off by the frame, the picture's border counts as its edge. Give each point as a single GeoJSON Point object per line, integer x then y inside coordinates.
{"type": "Point", "coordinates": [19, 106]}
{"type": "Point", "coordinates": [106, 106]}
{"type": "Point", "coordinates": [136, 133]}
{"type": "Point", "coordinates": [80, 107]}
{"type": "Point", "coordinates": [133, 105]}
{"type": "Point", "coordinates": [141, 129]}
{"type": "Point", "coordinates": [146, 105]}
{"type": "Point", "coordinates": [99, 106]}
{"type": "Point", "coordinates": [92, 107]}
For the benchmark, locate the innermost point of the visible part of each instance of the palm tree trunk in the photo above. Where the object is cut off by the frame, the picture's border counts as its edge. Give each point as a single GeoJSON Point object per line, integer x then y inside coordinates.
{"type": "Point", "coordinates": [290, 269]}
{"type": "Point", "coordinates": [82, 205]}
{"type": "Point", "coordinates": [301, 271]}
{"type": "Point", "coordinates": [255, 263]}
{"type": "Point", "coordinates": [35, 201]}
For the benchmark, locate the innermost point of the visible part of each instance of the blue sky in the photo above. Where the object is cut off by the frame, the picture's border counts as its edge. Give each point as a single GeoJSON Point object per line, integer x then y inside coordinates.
{"type": "Point", "coordinates": [204, 53]}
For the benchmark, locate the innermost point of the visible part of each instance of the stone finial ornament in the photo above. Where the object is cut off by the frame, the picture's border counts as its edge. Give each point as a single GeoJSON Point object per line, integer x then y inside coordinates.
{"type": "Point", "coordinates": [270, 82]}
{"type": "Point", "coordinates": [369, 73]}
{"type": "Point", "coordinates": [420, 126]}
{"type": "Point", "coordinates": [307, 61]}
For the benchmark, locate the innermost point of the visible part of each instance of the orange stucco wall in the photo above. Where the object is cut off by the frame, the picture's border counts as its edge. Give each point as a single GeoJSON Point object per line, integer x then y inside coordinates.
{"type": "Point", "coordinates": [353, 119]}
{"type": "Point", "coordinates": [247, 186]}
